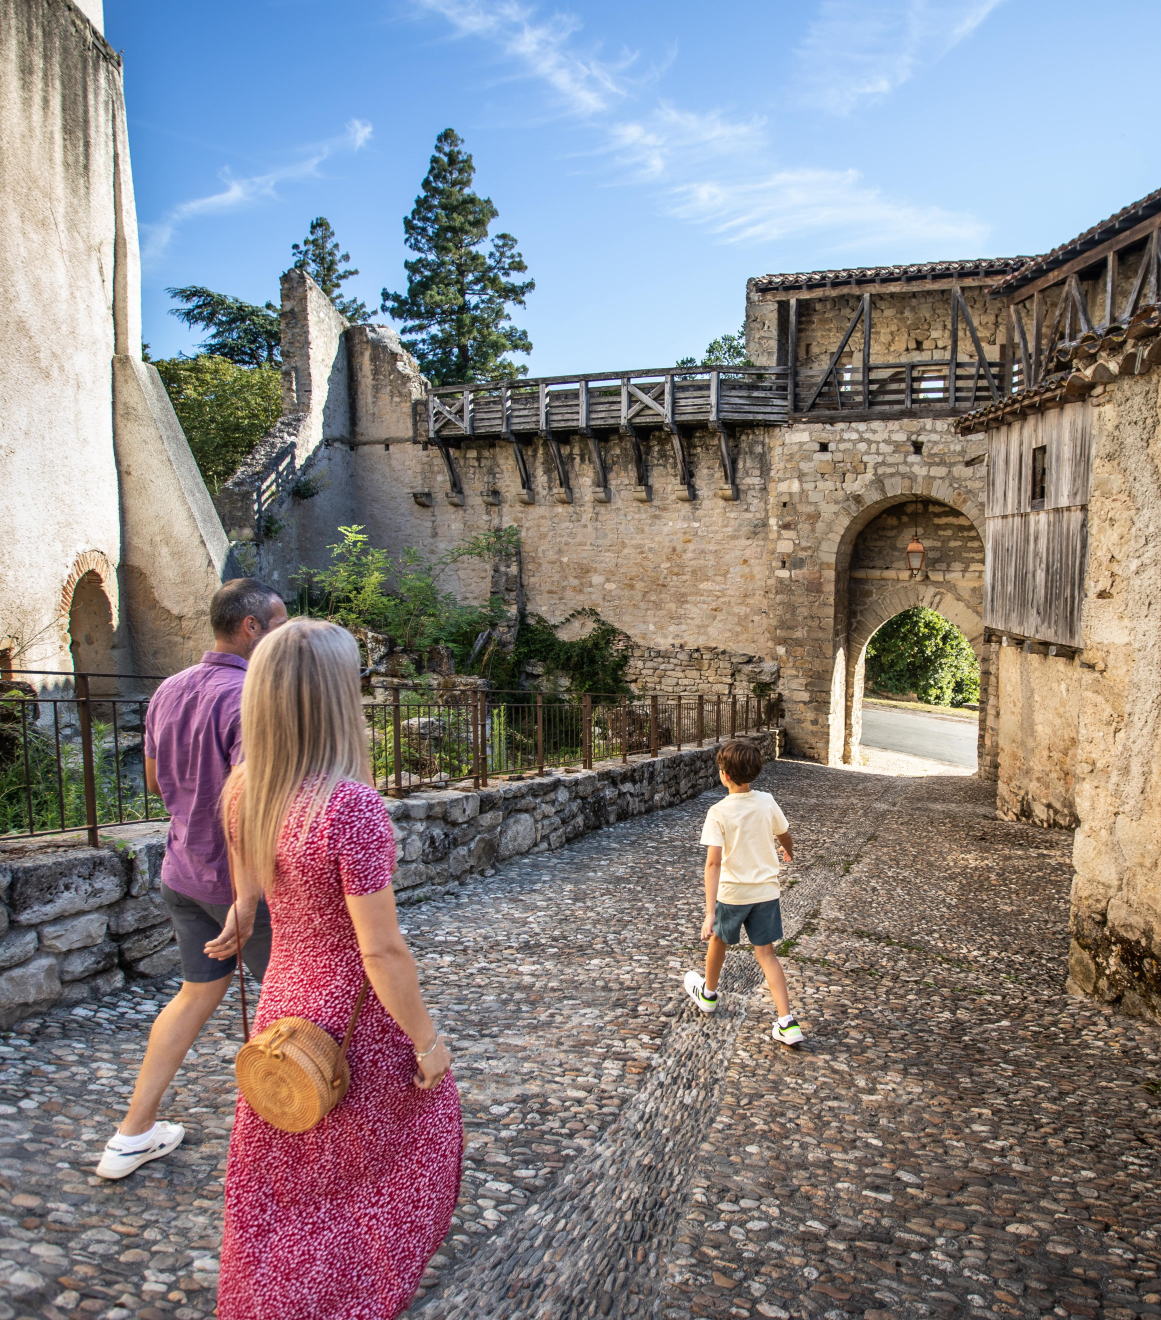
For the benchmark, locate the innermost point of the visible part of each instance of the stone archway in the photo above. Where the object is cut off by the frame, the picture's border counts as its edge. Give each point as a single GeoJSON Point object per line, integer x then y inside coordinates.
{"type": "Point", "coordinates": [90, 616]}
{"type": "Point", "coordinates": [873, 584]}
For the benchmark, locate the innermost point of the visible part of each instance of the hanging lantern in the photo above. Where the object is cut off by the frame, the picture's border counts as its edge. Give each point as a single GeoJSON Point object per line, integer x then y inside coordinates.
{"type": "Point", "coordinates": [916, 554]}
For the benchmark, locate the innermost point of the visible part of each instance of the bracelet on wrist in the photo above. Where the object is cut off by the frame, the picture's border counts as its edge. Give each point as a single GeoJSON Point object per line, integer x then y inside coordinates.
{"type": "Point", "coordinates": [419, 1058]}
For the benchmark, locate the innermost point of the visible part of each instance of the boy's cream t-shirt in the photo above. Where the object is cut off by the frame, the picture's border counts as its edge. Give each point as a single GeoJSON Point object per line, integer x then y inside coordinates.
{"type": "Point", "coordinates": [743, 826]}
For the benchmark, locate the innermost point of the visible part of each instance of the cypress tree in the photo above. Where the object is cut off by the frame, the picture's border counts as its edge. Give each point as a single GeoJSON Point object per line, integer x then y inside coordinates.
{"type": "Point", "coordinates": [318, 254]}
{"type": "Point", "coordinates": [457, 299]}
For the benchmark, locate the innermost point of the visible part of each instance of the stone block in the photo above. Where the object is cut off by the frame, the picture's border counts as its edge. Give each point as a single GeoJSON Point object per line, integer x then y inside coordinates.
{"type": "Point", "coordinates": [32, 982]}
{"type": "Point", "coordinates": [436, 846]}
{"type": "Point", "coordinates": [93, 987]}
{"type": "Point", "coordinates": [165, 962]}
{"type": "Point", "coordinates": [73, 932]}
{"type": "Point", "coordinates": [87, 962]}
{"type": "Point", "coordinates": [462, 807]}
{"type": "Point", "coordinates": [64, 883]}
{"type": "Point", "coordinates": [410, 849]}
{"type": "Point", "coordinates": [143, 858]}
{"type": "Point", "coordinates": [136, 913]}
{"type": "Point", "coordinates": [413, 875]}
{"type": "Point", "coordinates": [483, 851]}
{"type": "Point", "coordinates": [141, 943]}
{"type": "Point", "coordinates": [490, 820]}
{"type": "Point", "coordinates": [459, 862]}
{"type": "Point", "coordinates": [517, 835]}
{"type": "Point", "coordinates": [16, 946]}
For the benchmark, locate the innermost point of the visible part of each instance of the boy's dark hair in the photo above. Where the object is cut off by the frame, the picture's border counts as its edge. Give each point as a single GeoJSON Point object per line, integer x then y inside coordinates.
{"type": "Point", "coordinates": [240, 599]}
{"type": "Point", "coordinates": [740, 761]}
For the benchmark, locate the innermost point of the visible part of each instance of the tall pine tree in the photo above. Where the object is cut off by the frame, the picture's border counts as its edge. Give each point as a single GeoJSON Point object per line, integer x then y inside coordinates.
{"type": "Point", "coordinates": [458, 295]}
{"type": "Point", "coordinates": [318, 254]}
{"type": "Point", "coordinates": [239, 331]}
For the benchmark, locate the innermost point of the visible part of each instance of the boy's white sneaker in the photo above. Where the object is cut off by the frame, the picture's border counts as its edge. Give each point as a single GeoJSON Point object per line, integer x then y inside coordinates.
{"type": "Point", "coordinates": [695, 989]}
{"type": "Point", "coordinates": [124, 1154]}
{"type": "Point", "coordinates": [787, 1032]}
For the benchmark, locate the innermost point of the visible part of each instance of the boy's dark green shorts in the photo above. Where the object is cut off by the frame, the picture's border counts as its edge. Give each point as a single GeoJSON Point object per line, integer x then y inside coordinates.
{"type": "Point", "coordinates": [763, 921]}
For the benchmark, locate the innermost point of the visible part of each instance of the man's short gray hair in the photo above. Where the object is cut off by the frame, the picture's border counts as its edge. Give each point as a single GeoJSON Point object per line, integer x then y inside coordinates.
{"type": "Point", "coordinates": [238, 600]}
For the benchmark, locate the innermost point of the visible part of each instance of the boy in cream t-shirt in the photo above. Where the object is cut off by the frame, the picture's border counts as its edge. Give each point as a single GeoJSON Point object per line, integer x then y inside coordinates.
{"type": "Point", "coordinates": [741, 834]}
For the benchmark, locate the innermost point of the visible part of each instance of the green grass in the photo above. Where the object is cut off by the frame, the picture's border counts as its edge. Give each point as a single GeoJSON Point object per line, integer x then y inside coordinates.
{"type": "Point", "coordinates": [957, 711]}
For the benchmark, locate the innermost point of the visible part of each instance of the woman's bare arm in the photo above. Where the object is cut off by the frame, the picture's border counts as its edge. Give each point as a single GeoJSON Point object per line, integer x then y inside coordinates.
{"type": "Point", "coordinates": [391, 971]}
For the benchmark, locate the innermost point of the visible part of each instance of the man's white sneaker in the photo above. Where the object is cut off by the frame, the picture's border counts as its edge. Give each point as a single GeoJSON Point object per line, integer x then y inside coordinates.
{"type": "Point", "coordinates": [124, 1154]}
{"type": "Point", "coordinates": [695, 989]}
{"type": "Point", "coordinates": [788, 1034]}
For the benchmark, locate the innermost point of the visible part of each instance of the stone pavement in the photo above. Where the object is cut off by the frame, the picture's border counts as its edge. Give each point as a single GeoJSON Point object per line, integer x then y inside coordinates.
{"type": "Point", "coordinates": [957, 1136]}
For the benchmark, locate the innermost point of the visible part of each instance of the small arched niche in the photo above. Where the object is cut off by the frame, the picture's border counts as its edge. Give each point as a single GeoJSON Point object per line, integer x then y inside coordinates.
{"type": "Point", "coordinates": [92, 632]}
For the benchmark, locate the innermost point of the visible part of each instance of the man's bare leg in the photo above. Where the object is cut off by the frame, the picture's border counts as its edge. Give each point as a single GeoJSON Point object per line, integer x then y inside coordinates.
{"type": "Point", "coordinates": [174, 1030]}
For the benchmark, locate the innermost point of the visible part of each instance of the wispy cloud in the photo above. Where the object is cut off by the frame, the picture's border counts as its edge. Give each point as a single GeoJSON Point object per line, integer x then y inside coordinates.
{"type": "Point", "coordinates": [855, 51]}
{"type": "Point", "coordinates": [585, 84]}
{"type": "Point", "coordinates": [237, 192]}
{"type": "Point", "coordinates": [717, 170]}
{"type": "Point", "coordinates": [836, 205]}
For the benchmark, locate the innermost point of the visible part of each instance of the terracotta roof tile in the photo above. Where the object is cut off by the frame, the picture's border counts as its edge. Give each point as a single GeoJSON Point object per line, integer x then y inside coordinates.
{"type": "Point", "coordinates": [918, 271]}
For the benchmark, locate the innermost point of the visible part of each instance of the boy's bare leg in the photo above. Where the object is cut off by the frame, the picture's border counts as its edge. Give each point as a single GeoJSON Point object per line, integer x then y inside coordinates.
{"type": "Point", "coordinates": [715, 956]}
{"type": "Point", "coordinates": [775, 977]}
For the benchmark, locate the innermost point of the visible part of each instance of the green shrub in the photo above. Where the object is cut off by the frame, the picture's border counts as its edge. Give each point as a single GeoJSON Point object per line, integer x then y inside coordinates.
{"type": "Point", "coordinates": [920, 651]}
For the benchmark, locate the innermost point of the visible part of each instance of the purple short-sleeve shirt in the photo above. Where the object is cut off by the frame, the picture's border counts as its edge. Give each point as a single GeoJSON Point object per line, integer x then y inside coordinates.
{"type": "Point", "coordinates": [193, 730]}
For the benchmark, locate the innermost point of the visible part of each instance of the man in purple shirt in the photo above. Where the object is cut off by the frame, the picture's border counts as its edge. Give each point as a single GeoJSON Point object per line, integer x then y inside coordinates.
{"type": "Point", "coordinates": [193, 737]}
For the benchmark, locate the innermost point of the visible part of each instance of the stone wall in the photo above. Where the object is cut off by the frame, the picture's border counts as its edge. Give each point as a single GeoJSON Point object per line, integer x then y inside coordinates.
{"type": "Point", "coordinates": [76, 920]}
{"type": "Point", "coordinates": [910, 326]}
{"type": "Point", "coordinates": [1116, 896]}
{"type": "Point", "coordinates": [1038, 711]}
{"type": "Point", "coordinates": [698, 669]}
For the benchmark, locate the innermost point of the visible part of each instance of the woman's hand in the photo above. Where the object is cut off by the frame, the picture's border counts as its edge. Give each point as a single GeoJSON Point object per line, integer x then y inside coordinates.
{"type": "Point", "coordinates": [236, 927]}
{"type": "Point", "coordinates": [430, 1071]}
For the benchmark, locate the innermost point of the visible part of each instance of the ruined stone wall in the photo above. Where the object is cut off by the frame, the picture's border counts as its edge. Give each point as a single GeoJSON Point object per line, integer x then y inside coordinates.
{"type": "Point", "coordinates": [1038, 711]}
{"type": "Point", "coordinates": [1116, 896]}
{"type": "Point", "coordinates": [905, 326]}
{"type": "Point", "coordinates": [61, 135]}
{"type": "Point", "coordinates": [698, 669]}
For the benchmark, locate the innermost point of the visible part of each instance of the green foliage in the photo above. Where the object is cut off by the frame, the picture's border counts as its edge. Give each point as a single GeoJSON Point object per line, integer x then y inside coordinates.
{"type": "Point", "coordinates": [60, 804]}
{"type": "Point", "coordinates": [365, 587]}
{"type": "Point", "coordinates": [457, 296]}
{"type": "Point", "coordinates": [725, 351]}
{"type": "Point", "coordinates": [241, 332]}
{"type": "Point", "coordinates": [224, 409]}
{"type": "Point", "coordinates": [919, 651]}
{"type": "Point", "coordinates": [318, 254]}
{"type": "Point", "coordinates": [593, 663]}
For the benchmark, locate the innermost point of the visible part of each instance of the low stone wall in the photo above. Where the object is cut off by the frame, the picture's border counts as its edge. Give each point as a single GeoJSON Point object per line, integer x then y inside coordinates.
{"type": "Point", "coordinates": [694, 669]}
{"type": "Point", "coordinates": [77, 921]}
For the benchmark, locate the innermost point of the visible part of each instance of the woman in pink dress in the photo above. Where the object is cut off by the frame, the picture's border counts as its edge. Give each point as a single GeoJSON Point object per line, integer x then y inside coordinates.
{"type": "Point", "coordinates": [337, 1223]}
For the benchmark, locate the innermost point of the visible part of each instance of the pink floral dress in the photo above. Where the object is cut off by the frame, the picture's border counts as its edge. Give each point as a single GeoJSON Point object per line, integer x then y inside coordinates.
{"type": "Point", "coordinates": [337, 1223]}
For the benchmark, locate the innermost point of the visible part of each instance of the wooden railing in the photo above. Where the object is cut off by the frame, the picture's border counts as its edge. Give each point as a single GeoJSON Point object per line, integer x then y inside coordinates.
{"type": "Point", "coordinates": [906, 386]}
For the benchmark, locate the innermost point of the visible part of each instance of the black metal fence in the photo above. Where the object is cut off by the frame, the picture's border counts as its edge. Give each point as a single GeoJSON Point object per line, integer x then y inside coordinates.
{"type": "Point", "coordinates": [76, 761]}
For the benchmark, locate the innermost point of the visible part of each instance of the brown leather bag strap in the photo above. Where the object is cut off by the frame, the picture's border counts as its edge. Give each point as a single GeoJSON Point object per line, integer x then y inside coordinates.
{"type": "Point", "coordinates": [335, 1075]}
{"type": "Point", "coordinates": [238, 938]}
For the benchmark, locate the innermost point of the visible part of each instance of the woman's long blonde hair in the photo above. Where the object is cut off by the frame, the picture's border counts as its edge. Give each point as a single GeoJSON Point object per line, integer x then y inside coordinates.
{"type": "Point", "coordinates": [302, 719]}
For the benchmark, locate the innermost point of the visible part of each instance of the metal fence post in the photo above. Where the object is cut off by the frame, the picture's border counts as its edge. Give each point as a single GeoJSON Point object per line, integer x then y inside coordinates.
{"type": "Point", "coordinates": [86, 721]}
{"type": "Point", "coordinates": [718, 721]}
{"type": "Point", "coordinates": [700, 719]}
{"type": "Point", "coordinates": [482, 708]}
{"type": "Point", "coordinates": [654, 732]}
{"type": "Point", "coordinates": [679, 723]}
{"type": "Point", "coordinates": [540, 733]}
{"type": "Point", "coordinates": [474, 717]}
{"type": "Point", "coordinates": [734, 716]}
{"type": "Point", "coordinates": [587, 731]}
{"type": "Point", "coordinates": [397, 742]}
{"type": "Point", "coordinates": [624, 730]}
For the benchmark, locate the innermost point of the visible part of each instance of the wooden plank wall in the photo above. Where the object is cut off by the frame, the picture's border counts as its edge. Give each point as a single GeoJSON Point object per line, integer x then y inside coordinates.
{"type": "Point", "coordinates": [1035, 561]}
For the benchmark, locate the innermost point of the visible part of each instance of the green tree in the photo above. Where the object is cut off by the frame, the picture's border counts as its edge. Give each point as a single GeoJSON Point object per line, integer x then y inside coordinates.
{"type": "Point", "coordinates": [920, 651]}
{"type": "Point", "coordinates": [241, 332]}
{"type": "Point", "coordinates": [318, 254]}
{"type": "Point", "coordinates": [725, 351]}
{"type": "Point", "coordinates": [457, 298]}
{"type": "Point", "coordinates": [224, 409]}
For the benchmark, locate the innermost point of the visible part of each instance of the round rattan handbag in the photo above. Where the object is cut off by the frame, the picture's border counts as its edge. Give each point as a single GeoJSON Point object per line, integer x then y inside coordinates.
{"type": "Point", "coordinates": [293, 1072]}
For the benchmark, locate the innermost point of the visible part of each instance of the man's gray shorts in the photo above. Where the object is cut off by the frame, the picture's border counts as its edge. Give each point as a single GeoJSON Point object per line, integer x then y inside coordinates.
{"type": "Point", "coordinates": [196, 923]}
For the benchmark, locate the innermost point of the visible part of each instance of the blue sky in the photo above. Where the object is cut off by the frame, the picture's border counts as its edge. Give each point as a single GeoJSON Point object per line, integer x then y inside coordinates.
{"type": "Point", "coordinates": [648, 157]}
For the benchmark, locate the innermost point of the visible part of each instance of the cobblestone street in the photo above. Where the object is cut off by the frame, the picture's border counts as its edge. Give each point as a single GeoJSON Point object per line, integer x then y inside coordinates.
{"type": "Point", "coordinates": [957, 1136]}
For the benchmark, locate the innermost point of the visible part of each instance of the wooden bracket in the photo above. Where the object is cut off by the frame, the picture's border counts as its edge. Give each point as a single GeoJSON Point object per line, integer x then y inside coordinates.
{"type": "Point", "coordinates": [729, 489]}
{"type": "Point", "coordinates": [563, 494]}
{"type": "Point", "coordinates": [526, 495]}
{"type": "Point", "coordinates": [455, 493]}
{"type": "Point", "coordinates": [600, 473]}
{"type": "Point", "coordinates": [684, 488]}
{"type": "Point", "coordinates": [863, 307]}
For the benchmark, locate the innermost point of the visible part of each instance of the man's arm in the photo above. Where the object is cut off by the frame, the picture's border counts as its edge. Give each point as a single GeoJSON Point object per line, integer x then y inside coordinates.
{"type": "Point", "coordinates": [713, 876]}
{"type": "Point", "coordinates": [151, 776]}
{"type": "Point", "coordinates": [787, 845]}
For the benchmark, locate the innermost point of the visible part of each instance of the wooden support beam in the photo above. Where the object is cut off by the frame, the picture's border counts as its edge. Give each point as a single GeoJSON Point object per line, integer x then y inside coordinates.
{"type": "Point", "coordinates": [670, 425]}
{"type": "Point", "coordinates": [600, 472]}
{"type": "Point", "coordinates": [715, 412]}
{"type": "Point", "coordinates": [455, 493]}
{"type": "Point", "coordinates": [684, 490]}
{"type": "Point", "coordinates": [980, 356]}
{"type": "Point", "coordinates": [544, 409]}
{"type": "Point", "coordinates": [1057, 322]}
{"type": "Point", "coordinates": [953, 349]}
{"type": "Point", "coordinates": [506, 411]}
{"type": "Point", "coordinates": [1112, 270]}
{"type": "Point", "coordinates": [835, 357]}
{"type": "Point", "coordinates": [582, 406]}
{"type": "Point", "coordinates": [792, 355]}
{"type": "Point", "coordinates": [563, 488]}
{"type": "Point", "coordinates": [1087, 259]}
{"type": "Point", "coordinates": [1037, 337]}
{"type": "Point", "coordinates": [642, 472]}
{"type": "Point", "coordinates": [1081, 304]}
{"type": "Point", "coordinates": [1021, 340]}
{"type": "Point", "coordinates": [729, 490]}
{"type": "Point", "coordinates": [469, 414]}
{"type": "Point", "coordinates": [866, 350]}
{"type": "Point", "coordinates": [526, 496]}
